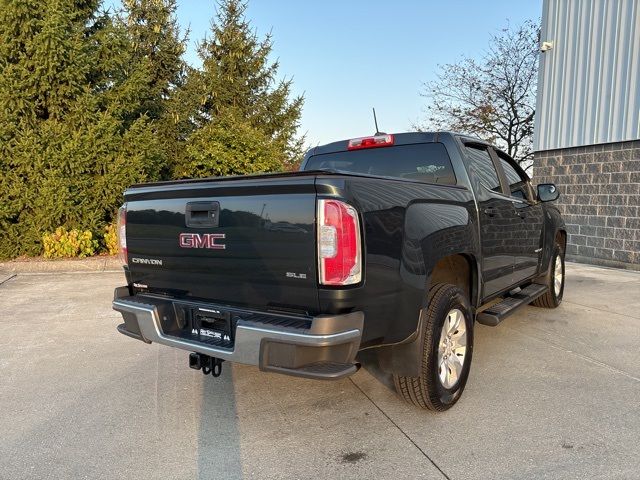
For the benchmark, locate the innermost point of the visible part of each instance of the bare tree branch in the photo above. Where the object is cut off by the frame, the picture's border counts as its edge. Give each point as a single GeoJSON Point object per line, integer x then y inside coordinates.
{"type": "Point", "coordinates": [493, 97]}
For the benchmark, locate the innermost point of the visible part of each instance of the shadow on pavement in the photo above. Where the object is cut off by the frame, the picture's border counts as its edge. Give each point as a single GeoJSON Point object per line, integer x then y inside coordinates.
{"type": "Point", "coordinates": [218, 433]}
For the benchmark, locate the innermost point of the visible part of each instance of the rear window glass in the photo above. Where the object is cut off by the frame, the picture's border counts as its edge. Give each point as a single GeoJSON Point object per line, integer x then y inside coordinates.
{"type": "Point", "coordinates": [426, 162]}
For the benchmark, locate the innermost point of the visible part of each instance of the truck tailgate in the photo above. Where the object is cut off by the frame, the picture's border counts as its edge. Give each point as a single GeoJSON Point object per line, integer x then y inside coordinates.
{"type": "Point", "coordinates": [245, 241]}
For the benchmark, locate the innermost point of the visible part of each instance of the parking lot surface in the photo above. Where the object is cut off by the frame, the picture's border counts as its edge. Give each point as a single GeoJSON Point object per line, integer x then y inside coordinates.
{"type": "Point", "coordinates": [551, 394]}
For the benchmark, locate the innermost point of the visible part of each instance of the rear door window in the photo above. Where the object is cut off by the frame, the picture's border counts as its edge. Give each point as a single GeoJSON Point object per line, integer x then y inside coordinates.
{"type": "Point", "coordinates": [425, 162]}
{"type": "Point", "coordinates": [482, 166]}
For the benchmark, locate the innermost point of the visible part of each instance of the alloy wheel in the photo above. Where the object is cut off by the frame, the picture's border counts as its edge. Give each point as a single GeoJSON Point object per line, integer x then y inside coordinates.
{"type": "Point", "coordinates": [452, 348]}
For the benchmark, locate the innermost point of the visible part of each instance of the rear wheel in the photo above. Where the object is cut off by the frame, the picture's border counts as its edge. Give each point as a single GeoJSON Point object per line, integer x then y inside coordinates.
{"type": "Point", "coordinates": [447, 335]}
{"type": "Point", "coordinates": [555, 282]}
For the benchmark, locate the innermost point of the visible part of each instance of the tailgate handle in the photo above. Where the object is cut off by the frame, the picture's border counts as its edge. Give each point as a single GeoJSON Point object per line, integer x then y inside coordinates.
{"type": "Point", "coordinates": [202, 214]}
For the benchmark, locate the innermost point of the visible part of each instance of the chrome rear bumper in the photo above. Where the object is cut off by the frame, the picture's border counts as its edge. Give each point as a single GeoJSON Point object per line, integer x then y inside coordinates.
{"type": "Point", "coordinates": [326, 349]}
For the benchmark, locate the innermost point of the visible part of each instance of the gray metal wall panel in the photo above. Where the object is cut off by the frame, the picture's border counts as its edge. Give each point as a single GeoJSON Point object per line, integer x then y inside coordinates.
{"type": "Point", "coordinates": [589, 83]}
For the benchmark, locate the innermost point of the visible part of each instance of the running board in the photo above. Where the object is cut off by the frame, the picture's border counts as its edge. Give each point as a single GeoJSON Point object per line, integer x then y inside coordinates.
{"type": "Point", "coordinates": [493, 315]}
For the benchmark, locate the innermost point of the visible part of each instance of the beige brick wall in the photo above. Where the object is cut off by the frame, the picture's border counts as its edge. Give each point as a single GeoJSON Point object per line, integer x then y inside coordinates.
{"type": "Point", "coordinates": [600, 192]}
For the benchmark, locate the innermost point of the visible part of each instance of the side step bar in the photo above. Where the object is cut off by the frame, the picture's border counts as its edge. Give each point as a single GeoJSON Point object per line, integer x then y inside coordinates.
{"type": "Point", "coordinates": [498, 312]}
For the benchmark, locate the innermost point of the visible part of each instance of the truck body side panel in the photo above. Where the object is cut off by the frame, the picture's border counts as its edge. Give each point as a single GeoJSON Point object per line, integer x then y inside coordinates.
{"type": "Point", "coordinates": [408, 227]}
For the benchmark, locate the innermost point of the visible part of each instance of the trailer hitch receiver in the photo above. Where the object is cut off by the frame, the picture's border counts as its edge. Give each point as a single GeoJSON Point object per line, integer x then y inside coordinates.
{"type": "Point", "coordinates": [208, 365]}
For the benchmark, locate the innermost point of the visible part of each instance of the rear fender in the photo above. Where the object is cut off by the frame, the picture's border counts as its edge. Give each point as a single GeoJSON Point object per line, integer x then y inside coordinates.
{"type": "Point", "coordinates": [433, 231]}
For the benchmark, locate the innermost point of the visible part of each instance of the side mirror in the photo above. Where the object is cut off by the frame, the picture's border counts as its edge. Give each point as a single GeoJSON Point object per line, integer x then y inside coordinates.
{"type": "Point", "coordinates": [548, 192]}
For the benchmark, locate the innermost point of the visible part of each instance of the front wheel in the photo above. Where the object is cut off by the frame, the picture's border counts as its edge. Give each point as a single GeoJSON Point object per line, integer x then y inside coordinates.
{"type": "Point", "coordinates": [555, 282]}
{"type": "Point", "coordinates": [447, 336]}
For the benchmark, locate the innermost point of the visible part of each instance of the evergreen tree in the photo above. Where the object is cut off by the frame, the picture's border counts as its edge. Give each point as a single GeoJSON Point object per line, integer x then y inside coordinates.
{"type": "Point", "coordinates": [91, 102]}
{"type": "Point", "coordinates": [237, 89]}
{"type": "Point", "coordinates": [42, 58]}
{"type": "Point", "coordinates": [230, 145]}
{"type": "Point", "coordinates": [66, 153]}
{"type": "Point", "coordinates": [157, 46]}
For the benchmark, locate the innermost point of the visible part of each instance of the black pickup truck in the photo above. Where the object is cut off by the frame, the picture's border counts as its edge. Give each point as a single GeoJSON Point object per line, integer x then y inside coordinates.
{"type": "Point", "coordinates": [391, 242]}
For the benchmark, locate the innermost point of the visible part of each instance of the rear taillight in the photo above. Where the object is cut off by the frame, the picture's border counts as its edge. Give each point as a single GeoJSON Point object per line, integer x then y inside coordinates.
{"type": "Point", "coordinates": [122, 233]}
{"type": "Point", "coordinates": [382, 140]}
{"type": "Point", "coordinates": [339, 245]}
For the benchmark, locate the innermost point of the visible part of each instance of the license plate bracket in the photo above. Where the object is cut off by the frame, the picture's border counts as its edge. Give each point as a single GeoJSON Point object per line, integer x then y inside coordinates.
{"type": "Point", "coordinates": [213, 325]}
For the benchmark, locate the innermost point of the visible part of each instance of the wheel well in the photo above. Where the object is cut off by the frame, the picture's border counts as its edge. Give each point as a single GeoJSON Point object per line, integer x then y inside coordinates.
{"type": "Point", "coordinates": [561, 239]}
{"type": "Point", "coordinates": [457, 270]}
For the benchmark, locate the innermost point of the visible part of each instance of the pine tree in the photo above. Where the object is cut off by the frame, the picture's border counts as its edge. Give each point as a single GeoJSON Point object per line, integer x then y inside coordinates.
{"type": "Point", "coordinates": [66, 153]}
{"type": "Point", "coordinates": [237, 89]}
{"type": "Point", "coordinates": [157, 47]}
{"type": "Point", "coordinates": [41, 58]}
{"type": "Point", "coordinates": [91, 102]}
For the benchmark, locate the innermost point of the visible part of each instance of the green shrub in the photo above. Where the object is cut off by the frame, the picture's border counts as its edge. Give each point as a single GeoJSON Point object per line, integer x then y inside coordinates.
{"type": "Point", "coordinates": [65, 243]}
{"type": "Point", "coordinates": [111, 239]}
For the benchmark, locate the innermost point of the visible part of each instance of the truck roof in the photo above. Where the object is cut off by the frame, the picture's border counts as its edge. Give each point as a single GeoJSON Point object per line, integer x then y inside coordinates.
{"type": "Point", "coordinates": [403, 138]}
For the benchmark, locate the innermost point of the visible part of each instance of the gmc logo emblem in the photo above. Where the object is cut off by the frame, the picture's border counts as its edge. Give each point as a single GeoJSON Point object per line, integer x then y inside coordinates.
{"type": "Point", "coordinates": [205, 240]}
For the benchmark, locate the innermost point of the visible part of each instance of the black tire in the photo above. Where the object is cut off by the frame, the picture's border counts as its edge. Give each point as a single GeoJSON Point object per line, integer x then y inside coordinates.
{"type": "Point", "coordinates": [427, 390]}
{"type": "Point", "coordinates": [552, 299]}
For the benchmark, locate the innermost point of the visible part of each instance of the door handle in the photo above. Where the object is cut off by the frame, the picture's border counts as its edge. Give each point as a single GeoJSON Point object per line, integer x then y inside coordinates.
{"type": "Point", "coordinates": [202, 214]}
{"type": "Point", "coordinates": [491, 212]}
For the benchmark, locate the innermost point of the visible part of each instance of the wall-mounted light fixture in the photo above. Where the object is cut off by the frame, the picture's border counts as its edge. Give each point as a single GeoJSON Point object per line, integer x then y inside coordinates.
{"type": "Point", "coordinates": [546, 46]}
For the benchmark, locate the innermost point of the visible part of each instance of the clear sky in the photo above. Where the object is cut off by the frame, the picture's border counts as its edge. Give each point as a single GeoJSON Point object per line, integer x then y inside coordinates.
{"type": "Point", "coordinates": [348, 56]}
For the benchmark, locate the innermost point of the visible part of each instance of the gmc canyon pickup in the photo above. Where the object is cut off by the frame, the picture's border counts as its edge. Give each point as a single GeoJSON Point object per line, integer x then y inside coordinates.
{"type": "Point", "coordinates": [397, 243]}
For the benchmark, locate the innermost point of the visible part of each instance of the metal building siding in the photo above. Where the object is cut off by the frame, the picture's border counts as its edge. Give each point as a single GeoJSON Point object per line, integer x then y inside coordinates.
{"type": "Point", "coordinates": [589, 82]}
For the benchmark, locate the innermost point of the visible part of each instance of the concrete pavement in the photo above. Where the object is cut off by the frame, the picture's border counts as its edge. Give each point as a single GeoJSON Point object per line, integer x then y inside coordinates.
{"type": "Point", "coordinates": [552, 394]}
